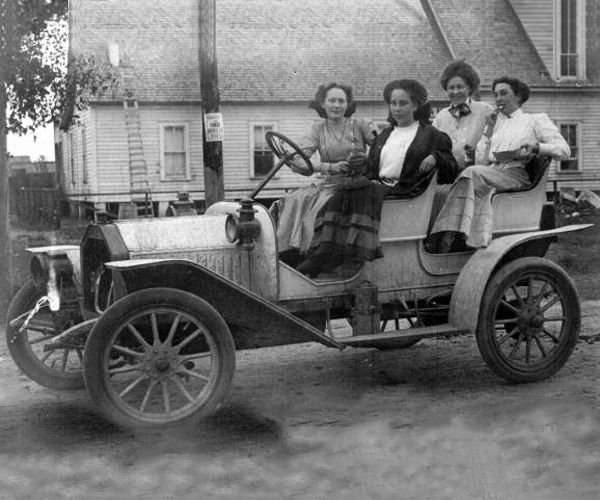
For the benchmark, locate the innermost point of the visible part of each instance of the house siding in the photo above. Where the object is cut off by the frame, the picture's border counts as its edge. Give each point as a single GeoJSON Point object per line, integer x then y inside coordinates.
{"type": "Point", "coordinates": [579, 107]}
{"type": "Point", "coordinates": [108, 150]}
{"type": "Point", "coordinates": [292, 120]}
{"type": "Point", "coordinates": [72, 148]}
{"type": "Point", "coordinates": [268, 72]}
{"type": "Point", "coordinates": [537, 17]}
{"type": "Point", "coordinates": [108, 153]}
{"type": "Point", "coordinates": [592, 16]}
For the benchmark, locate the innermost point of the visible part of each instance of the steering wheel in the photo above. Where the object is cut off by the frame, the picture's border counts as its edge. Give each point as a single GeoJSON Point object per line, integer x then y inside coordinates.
{"type": "Point", "coordinates": [280, 144]}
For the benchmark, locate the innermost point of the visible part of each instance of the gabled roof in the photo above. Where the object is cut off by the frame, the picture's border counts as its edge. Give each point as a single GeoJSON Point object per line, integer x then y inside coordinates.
{"type": "Point", "coordinates": [489, 35]}
{"type": "Point", "coordinates": [281, 50]}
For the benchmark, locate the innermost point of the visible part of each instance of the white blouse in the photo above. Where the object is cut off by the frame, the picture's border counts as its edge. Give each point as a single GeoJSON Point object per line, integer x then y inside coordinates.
{"type": "Point", "coordinates": [465, 129]}
{"type": "Point", "coordinates": [510, 132]}
{"type": "Point", "coordinates": [394, 151]}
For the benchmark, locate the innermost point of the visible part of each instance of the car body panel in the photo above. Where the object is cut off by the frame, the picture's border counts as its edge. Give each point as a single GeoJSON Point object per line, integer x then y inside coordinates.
{"type": "Point", "coordinates": [261, 322]}
{"type": "Point", "coordinates": [475, 275]}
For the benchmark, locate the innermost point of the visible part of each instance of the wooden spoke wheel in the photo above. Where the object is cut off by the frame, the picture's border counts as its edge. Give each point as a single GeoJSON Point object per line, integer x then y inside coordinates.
{"type": "Point", "coordinates": [29, 331]}
{"type": "Point", "coordinates": [529, 320]}
{"type": "Point", "coordinates": [159, 358]}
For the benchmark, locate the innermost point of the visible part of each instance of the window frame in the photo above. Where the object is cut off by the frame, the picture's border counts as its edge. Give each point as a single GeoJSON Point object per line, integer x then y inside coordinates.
{"type": "Point", "coordinates": [577, 125]}
{"type": "Point", "coordinates": [251, 130]}
{"type": "Point", "coordinates": [580, 33]}
{"type": "Point", "coordinates": [164, 177]}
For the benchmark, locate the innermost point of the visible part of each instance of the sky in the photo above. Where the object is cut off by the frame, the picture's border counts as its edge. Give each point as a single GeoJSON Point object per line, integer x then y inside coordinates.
{"type": "Point", "coordinates": [34, 147]}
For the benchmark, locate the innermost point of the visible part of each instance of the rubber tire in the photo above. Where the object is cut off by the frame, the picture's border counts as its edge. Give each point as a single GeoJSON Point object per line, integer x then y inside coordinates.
{"type": "Point", "coordinates": [108, 325]}
{"type": "Point", "coordinates": [24, 357]}
{"type": "Point", "coordinates": [494, 290]}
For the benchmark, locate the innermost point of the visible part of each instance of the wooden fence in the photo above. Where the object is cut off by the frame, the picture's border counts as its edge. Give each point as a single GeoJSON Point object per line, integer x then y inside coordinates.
{"type": "Point", "coordinates": [34, 200]}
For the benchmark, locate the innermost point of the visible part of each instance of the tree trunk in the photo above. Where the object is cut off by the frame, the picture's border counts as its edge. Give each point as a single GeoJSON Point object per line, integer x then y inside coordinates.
{"type": "Point", "coordinates": [214, 189]}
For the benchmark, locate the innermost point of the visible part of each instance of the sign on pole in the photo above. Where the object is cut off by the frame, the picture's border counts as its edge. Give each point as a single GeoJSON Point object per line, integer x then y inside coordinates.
{"type": "Point", "coordinates": [213, 124]}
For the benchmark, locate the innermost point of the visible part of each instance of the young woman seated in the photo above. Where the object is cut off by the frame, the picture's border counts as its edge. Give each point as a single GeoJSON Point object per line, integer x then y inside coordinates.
{"type": "Point", "coordinates": [346, 228]}
{"type": "Point", "coordinates": [509, 141]}
{"type": "Point", "coordinates": [337, 137]}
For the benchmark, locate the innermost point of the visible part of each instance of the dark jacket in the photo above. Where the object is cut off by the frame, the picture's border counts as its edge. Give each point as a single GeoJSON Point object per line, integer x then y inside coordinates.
{"type": "Point", "coordinates": [428, 140]}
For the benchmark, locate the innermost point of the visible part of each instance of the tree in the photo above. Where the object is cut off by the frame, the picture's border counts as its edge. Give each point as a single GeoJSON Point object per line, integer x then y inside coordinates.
{"type": "Point", "coordinates": [38, 85]}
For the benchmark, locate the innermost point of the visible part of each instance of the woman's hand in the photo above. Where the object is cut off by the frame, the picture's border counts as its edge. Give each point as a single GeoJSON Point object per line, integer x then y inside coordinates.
{"type": "Point", "coordinates": [337, 168]}
{"type": "Point", "coordinates": [528, 149]}
{"type": "Point", "coordinates": [427, 165]}
{"type": "Point", "coordinates": [356, 163]}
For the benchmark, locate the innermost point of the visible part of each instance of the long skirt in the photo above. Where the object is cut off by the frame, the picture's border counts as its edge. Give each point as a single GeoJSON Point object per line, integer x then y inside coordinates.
{"type": "Point", "coordinates": [297, 219]}
{"type": "Point", "coordinates": [347, 227]}
{"type": "Point", "coordinates": [468, 207]}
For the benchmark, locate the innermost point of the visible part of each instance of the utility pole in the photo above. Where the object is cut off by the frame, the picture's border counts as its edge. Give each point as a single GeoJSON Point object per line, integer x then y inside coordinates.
{"type": "Point", "coordinates": [7, 42]}
{"type": "Point", "coordinates": [212, 129]}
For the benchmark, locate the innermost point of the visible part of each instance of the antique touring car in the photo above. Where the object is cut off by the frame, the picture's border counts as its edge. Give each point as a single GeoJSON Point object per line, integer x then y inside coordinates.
{"type": "Point", "coordinates": [148, 313]}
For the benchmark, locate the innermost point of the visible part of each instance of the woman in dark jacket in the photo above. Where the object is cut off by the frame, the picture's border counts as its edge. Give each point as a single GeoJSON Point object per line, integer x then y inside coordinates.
{"type": "Point", "coordinates": [347, 227]}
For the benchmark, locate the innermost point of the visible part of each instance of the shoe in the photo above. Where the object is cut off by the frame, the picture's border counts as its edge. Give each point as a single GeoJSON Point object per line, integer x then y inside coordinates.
{"type": "Point", "coordinates": [431, 243]}
{"type": "Point", "coordinates": [311, 267]}
{"type": "Point", "coordinates": [446, 242]}
{"type": "Point", "coordinates": [291, 257]}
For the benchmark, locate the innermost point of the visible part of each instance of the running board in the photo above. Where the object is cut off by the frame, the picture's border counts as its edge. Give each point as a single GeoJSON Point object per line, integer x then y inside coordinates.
{"type": "Point", "coordinates": [388, 339]}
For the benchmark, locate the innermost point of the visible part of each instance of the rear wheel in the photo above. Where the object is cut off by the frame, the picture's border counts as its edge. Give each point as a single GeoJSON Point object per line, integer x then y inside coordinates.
{"type": "Point", "coordinates": [159, 358]}
{"type": "Point", "coordinates": [529, 320]}
{"type": "Point", "coordinates": [30, 327]}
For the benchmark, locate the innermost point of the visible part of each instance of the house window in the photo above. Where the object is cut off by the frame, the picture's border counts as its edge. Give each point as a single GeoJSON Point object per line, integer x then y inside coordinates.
{"type": "Point", "coordinates": [570, 132]}
{"type": "Point", "coordinates": [262, 160]}
{"type": "Point", "coordinates": [571, 38]}
{"type": "Point", "coordinates": [174, 152]}
{"type": "Point", "coordinates": [84, 161]}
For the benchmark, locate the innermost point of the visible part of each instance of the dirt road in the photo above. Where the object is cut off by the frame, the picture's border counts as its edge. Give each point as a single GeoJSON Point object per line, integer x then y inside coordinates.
{"type": "Point", "coordinates": [307, 422]}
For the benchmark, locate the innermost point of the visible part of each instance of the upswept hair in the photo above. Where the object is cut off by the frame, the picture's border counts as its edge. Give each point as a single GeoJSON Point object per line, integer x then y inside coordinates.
{"type": "Point", "coordinates": [463, 70]}
{"type": "Point", "coordinates": [418, 94]}
{"type": "Point", "coordinates": [321, 94]}
{"type": "Point", "coordinates": [520, 89]}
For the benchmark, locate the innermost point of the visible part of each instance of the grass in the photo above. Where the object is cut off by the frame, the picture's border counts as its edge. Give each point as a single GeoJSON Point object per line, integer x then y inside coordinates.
{"type": "Point", "coordinates": [578, 252]}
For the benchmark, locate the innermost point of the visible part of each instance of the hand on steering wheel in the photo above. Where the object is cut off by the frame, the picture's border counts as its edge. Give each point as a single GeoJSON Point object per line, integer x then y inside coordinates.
{"type": "Point", "coordinates": [280, 146]}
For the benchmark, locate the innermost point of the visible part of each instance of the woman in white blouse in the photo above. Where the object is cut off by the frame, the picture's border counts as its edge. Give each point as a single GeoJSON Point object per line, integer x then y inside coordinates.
{"type": "Point", "coordinates": [465, 118]}
{"type": "Point", "coordinates": [510, 138]}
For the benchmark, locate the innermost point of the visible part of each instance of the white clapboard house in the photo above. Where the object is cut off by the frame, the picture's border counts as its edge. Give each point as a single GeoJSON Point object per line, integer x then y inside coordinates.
{"type": "Point", "coordinates": [272, 55]}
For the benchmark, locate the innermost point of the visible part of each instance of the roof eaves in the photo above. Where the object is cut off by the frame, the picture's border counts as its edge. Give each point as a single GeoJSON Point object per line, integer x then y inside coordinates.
{"type": "Point", "coordinates": [526, 33]}
{"type": "Point", "coordinates": [437, 26]}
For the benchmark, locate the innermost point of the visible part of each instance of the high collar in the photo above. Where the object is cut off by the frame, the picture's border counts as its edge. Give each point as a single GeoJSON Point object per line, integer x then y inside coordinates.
{"type": "Point", "coordinates": [515, 113]}
{"type": "Point", "coordinates": [394, 124]}
{"type": "Point", "coordinates": [467, 102]}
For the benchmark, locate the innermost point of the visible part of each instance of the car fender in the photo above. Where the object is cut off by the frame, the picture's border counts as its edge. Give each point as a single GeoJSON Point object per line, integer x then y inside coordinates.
{"type": "Point", "coordinates": [476, 273]}
{"type": "Point", "coordinates": [236, 304]}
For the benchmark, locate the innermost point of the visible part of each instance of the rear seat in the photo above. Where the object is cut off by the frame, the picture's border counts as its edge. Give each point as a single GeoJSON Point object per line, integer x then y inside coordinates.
{"type": "Point", "coordinates": [520, 210]}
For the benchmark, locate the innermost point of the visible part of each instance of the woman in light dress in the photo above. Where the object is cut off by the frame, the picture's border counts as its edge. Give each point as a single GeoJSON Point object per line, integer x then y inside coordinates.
{"type": "Point", "coordinates": [510, 138]}
{"type": "Point", "coordinates": [336, 138]}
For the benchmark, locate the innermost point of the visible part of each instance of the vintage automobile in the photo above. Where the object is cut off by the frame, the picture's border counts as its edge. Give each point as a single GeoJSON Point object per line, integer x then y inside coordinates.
{"type": "Point", "coordinates": [148, 313]}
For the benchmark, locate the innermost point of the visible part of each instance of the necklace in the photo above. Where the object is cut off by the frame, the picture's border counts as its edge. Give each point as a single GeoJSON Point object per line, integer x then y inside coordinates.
{"type": "Point", "coordinates": [330, 130]}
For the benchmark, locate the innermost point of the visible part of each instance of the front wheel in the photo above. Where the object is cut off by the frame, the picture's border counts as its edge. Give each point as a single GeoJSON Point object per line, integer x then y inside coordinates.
{"type": "Point", "coordinates": [30, 327]}
{"type": "Point", "coordinates": [159, 358]}
{"type": "Point", "coordinates": [529, 320]}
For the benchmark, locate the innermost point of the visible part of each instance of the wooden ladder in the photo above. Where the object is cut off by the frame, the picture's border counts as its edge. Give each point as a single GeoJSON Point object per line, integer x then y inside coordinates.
{"type": "Point", "coordinates": [141, 199]}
